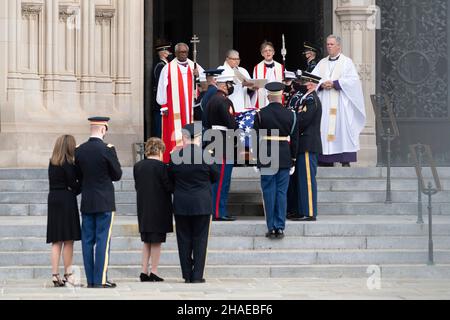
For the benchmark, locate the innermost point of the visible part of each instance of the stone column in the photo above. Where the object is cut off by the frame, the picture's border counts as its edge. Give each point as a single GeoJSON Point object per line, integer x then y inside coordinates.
{"type": "Point", "coordinates": [353, 22]}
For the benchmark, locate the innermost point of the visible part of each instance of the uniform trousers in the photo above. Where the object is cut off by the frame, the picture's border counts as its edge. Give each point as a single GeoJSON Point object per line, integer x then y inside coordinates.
{"type": "Point", "coordinates": [274, 188]}
{"type": "Point", "coordinates": [221, 189]}
{"type": "Point", "coordinates": [96, 238]}
{"type": "Point", "coordinates": [192, 238]}
{"type": "Point", "coordinates": [307, 183]}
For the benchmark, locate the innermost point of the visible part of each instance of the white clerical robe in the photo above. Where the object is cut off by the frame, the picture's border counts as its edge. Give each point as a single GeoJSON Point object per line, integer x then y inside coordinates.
{"type": "Point", "coordinates": [240, 97]}
{"type": "Point", "coordinates": [161, 96]}
{"type": "Point", "coordinates": [274, 74]}
{"type": "Point", "coordinates": [343, 111]}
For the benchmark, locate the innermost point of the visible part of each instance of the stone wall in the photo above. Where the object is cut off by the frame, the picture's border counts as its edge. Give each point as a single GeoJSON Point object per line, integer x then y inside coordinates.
{"type": "Point", "coordinates": [62, 62]}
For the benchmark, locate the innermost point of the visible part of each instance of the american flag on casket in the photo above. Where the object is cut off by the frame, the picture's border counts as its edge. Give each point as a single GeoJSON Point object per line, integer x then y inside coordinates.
{"type": "Point", "coordinates": [245, 121]}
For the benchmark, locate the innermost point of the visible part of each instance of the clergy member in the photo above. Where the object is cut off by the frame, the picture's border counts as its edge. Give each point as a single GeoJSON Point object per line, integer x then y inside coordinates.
{"type": "Point", "coordinates": [176, 96]}
{"type": "Point", "coordinates": [344, 114]}
{"type": "Point", "coordinates": [267, 69]}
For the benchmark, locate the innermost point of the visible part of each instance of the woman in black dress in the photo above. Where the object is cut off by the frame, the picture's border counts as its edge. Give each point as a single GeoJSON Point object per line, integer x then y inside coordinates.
{"type": "Point", "coordinates": [154, 206]}
{"type": "Point", "coordinates": [63, 220]}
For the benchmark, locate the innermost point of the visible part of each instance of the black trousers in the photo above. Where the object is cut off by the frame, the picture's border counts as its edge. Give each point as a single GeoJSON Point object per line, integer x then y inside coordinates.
{"type": "Point", "coordinates": [192, 238]}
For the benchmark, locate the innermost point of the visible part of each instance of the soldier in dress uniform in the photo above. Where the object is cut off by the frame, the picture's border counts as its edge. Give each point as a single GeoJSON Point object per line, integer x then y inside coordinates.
{"type": "Point", "coordinates": [97, 167]}
{"type": "Point", "coordinates": [221, 117]}
{"type": "Point", "coordinates": [211, 79]}
{"type": "Point", "coordinates": [311, 53]}
{"type": "Point", "coordinates": [192, 203]}
{"type": "Point", "coordinates": [310, 146]}
{"type": "Point", "coordinates": [275, 175]}
{"type": "Point", "coordinates": [163, 49]}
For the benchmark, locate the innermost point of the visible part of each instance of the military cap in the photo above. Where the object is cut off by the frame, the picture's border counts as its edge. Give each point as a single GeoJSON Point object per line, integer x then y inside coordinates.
{"type": "Point", "coordinates": [193, 130]}
{"type": "Point", "coordinates": [309, 77]}
{"type": "Point", "coordinates": [226, 77]}
{"type": "Point", "coordinates": [308, 46]}
{"type": "Point", "coordinates": [162, 45]}
{"type": "Point", "coordinates": [99, 121]}
{"type": "Point", "coordinates": [213, 72]}
{"type": "Point", "coordinates": [275, 88]}
{"type": "Point", "coordinates": [289, 75]}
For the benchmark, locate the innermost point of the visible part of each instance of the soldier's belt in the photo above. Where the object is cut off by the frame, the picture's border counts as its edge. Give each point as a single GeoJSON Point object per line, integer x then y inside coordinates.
{"type": "Point", "coordinates": [221, 128]}
{"type": "Point", "coordinates": [276, 138]}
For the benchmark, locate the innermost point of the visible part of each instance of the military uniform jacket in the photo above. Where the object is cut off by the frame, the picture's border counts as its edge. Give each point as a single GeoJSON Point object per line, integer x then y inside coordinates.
{"type": "Point", "coordinates": [309, 119]}
{"type": "Point", "coordinates": [192, 183]}
{"type": "Point", "coordinates": [220, 114]}
{"type": "Point", "coordinates": [97, 167]}
{"type": "Point", "coordinates": [311, 66]}
{"type": "Point", "coordinates": [275, 116]}
{"type": "Point", "coordinates": [156, 74]}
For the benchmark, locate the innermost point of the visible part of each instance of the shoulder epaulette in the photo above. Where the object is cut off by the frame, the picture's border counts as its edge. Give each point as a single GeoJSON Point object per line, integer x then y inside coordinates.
{"type": "Point", "coordinates": [110, 146]}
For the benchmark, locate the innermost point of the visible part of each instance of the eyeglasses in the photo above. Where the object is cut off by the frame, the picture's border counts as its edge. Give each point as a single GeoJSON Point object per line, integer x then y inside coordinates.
{"type": "Point", "coordinates": [235, 59]}
{"type": "Point", "coordinates": [184, 51]}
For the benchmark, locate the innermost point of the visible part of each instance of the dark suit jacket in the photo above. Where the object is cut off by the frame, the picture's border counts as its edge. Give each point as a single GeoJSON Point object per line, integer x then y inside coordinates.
{"type": "Point", "coordinates": [309, 121]}
{"type": "Point", "coordinates": [154, 196]}
{"type": "Point", "coordinates": [275, 116]}
{"type": "Point", "coordinates": [97, 167]}
{"type": "Point", "coordinates": [192, 183]}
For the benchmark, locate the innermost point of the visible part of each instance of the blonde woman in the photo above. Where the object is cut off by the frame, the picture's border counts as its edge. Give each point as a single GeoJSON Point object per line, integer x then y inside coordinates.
{"type": "Point", "coordinates": [63, 220]}
{"type": "Point", "coordinates": [154, 206]}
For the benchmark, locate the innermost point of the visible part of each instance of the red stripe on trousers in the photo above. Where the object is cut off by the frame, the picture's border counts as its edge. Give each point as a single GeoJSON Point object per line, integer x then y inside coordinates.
{"type": "Point", "coordinates": [219, 189]}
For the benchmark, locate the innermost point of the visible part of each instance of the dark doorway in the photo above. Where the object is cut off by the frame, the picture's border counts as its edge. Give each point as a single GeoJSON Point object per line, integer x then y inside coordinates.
{"type": "Point", "coordinates": [256, 21]}
{"type": "Point", "coordinates": [172, 21]}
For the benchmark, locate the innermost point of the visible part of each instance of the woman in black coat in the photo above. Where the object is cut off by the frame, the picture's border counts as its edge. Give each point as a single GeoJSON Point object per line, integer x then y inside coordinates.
{"type": "Point", "coordinates": [63, 219]}
{"type": "Point", "coordinates": [154, 206]}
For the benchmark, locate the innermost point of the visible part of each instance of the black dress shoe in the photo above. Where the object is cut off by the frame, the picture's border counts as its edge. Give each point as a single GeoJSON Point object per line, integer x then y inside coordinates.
{"type": "Point", "coordinates": [297, 218]}
{"type": "Point", "coordinates": [108, 285]}
{"type": "Point", "coordinates": [154, 278]}
{"type": "Point", "coordinates": [309, 219]}
{"type": "Point", "coordinates": [225, 219]}
{"type": "Point", "coordinates": [291, 216]}
{"type": "Point", "coordinates": [198, 281]}
{"type": "Point", "coordinates": [144, 277]}
{"type": "Point", "coordinates": [279, 234]}
{"type": "Point", "coordinates": [271, 234]}
{"type": "Point", "coordinates": [187, 280]}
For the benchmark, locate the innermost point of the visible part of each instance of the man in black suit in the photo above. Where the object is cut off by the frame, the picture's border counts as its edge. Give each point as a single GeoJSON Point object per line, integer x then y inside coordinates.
{"type": "Point", "coordinates": [97, 167]}
{"type": "Point", "coordinates": [310, 146]}
{"type": "Point", "coordinates": [277, 132]}
{"type": "Point", "coordinates": [192, 202]}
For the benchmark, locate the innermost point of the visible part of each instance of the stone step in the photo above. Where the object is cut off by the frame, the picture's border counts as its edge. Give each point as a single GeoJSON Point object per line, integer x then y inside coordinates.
{"type": "Point", "coordinates": [250, 173]}
{"type": "Point", "coordinates": [251, 198]}
{"type": "Point", "coordinates": [245, 185]}
{"type": "Point", "coordinates": [327, 226]}
{"type": "Point", "coordinates": [250, 257]}
{"type": "Point", "coordinates": [173, 273]}
{"type": "Point", "coordinates": [342, 209]}
{"type": "Point", "coordinates": [30, 244]}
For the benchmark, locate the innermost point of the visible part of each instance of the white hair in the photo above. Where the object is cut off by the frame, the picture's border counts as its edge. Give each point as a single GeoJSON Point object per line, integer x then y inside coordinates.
{"type": "Point", "coordinates": [337, 38]}
{"type": "Point", "coordinates": [181, 44]}
{"type": "Point", "coordinates": [232, 52]}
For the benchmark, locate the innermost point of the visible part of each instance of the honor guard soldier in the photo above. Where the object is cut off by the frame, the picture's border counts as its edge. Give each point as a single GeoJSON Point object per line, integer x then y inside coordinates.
{"type": "Point", "coordinates": [97, 167]}
{"type": "Point", "coordinates": [281, 130]}
{"type": "Point", "coordinates": [192, 203]}
{"type": "Point", "coordinates": [311, 53]}
{"type": "Point", "coordinates": [163, 49]}
{"type": "Point", "coordinates": [310, 146]}
{"type": "Point", "coordinates": [221, 118]}
{"type": "Point", "coordinates": [211, 80]}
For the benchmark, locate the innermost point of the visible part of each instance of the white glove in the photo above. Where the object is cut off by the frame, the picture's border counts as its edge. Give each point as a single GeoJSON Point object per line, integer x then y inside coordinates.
{"type": "Point", "coordinates": [164, 111]}
{"type": "Point", "coordinates": [292, 171]}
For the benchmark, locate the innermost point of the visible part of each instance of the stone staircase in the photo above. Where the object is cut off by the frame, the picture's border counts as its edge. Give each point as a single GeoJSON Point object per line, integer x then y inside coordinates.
{"type": "Point", "coordinates": [356, 229]}
{"type": "Point", "coordinates": [342, 191]}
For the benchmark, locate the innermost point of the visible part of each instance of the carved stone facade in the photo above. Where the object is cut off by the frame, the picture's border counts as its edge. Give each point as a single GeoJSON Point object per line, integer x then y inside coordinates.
{"type": "Point", "coordinates": [62, 61]}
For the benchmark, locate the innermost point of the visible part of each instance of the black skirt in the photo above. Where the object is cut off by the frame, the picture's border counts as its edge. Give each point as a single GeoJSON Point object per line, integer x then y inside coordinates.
{"type": "Point", "coordinates": [63, 219]}
{"type": "Point", "coordinates": [153, 237]}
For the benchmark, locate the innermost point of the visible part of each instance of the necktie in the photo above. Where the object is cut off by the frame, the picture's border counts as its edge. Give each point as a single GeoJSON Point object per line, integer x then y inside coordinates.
{"type": "Point", "coordinates": [270, 66]}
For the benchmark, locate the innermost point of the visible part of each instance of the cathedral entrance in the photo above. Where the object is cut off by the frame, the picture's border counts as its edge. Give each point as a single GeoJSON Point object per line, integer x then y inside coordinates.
{"type": "Point", "coordinates": [242, 25]}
